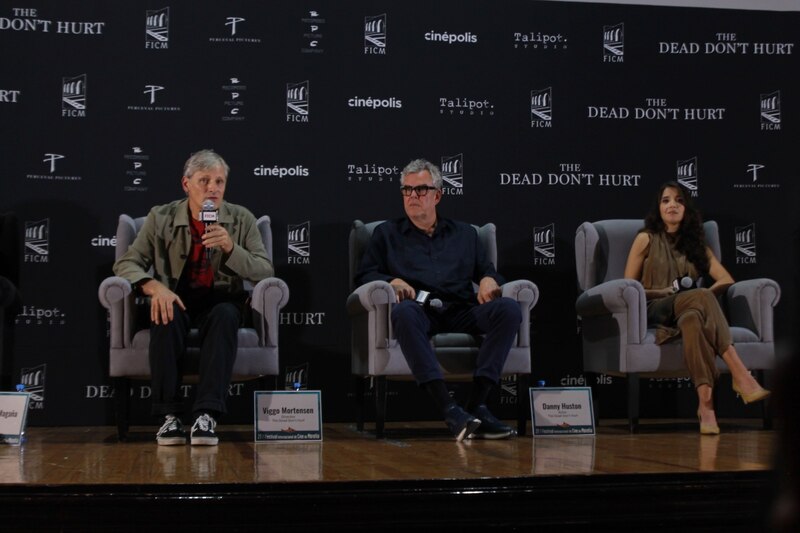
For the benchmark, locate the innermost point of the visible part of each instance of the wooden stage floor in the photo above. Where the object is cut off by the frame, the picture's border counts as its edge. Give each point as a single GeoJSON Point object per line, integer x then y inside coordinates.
{"type": "Point", "coordinates": [418, 475]}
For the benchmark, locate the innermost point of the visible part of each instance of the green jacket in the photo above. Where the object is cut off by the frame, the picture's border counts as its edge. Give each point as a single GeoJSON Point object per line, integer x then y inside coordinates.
{"type": "Point", "coordinates": [165, 239]}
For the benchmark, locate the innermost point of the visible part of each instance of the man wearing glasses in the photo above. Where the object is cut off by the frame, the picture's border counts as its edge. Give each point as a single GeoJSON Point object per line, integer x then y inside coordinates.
{"type": "Point", "coordinates": [425, 252]}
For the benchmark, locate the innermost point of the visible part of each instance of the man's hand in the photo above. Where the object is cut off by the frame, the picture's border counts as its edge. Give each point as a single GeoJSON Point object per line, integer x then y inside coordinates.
{"type": "Point", "coordinates": [217, 236]}
{"type": "Point", "coordinates": [488, 290]}
{"type": "Point", "coordinates": [161, 301]}
{"type": "Point", "coordinates": [402, 289]}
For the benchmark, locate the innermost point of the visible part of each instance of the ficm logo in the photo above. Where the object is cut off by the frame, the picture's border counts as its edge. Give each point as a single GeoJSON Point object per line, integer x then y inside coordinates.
{"type": "Point", "coordinates": [771, 111]}
{"type": "Point", "coordinates": [614, 43]}
{"type": "Point", "coordinates": [453, 174]}
{"type": "Point", "coordinates": [37, 241]}
{"type": "Point", "coordinates": [542, 108]}
{"type": "Point", "coordinates": [33, 379]}
{"type": "Point", "coordinates": [746, 244]}
{"type": "Point", "coordinates": [297, 102]}
{"type": "Point", "coordinates": [375, 36]}
{"type": "Point", "coordinates": [299, 243]}
{"type": "Point", "coordinates": [296, 377]}
{"type": "Point", "coordinates": [73, 96]}
{"type": "Point", "coordinates": [544, 245]}
{"type": "Point", "coordinates": [157, 29]}
{"type": "Point", "coordinates": [688, 175]}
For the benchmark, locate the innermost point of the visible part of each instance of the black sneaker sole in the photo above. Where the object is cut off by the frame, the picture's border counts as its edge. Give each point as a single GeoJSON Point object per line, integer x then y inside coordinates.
{"type": "Point", "coordinates": [171, 441]}
{"type": "Point", "coordinates": [205, 441]}
{"type": "Point", "coordinates": [468, 430]}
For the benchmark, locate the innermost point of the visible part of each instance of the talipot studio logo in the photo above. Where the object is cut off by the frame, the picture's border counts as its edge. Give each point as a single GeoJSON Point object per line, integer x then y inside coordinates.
{"type": "Point", "coordinates": [299, 243]}
{"type": "Point", "coordinates": [236, 26]}
{"type": "Point", "coordinates": [37, 241]}
{"type": "Point", "coordinates": [372, 172]}
{"type": "Point", "coordinates": [33, 379]}
{"type": "Point", "coordinates": [153, 98]}
{"type": "Point", "coordinates": [73, 97]}
{"type": "Point", "coordinates": [746, 244]}
{"type": "Point", "coordinates": [136, 171]}
{"type": "Point", "coordinates": [544, 245]}
{"type": "Point", "coordinates": [614, 43]}
{"type": "Point", "coordinates": [771, 111]}
{"type": "Point", "coordinates": [375, 35]}
{"type": "Point", "coordinates": [755, 180]}
{"type": "Point", "coordinates": [539, 40]}
{"type": "Point", "coordinates": [233, 103]}
{"type": "Point", "coordinates": [297, 101]}
{"type": "Point", "coordinates": [27, 20]}
{"type": "Point", "coordinates": [156, 29]}
{"type": "Point", "coordinates": [296, 377]}
{"type": "Point", "coordinates": [453, 174]}
{"type": "Point", "coordinates": [40, 316]}
{"type": "Point", "coordinates": [312, 33]}
{"type": "Point", "coordinates": [542, 108]}
{"type": "Point", "coordinates": [465, 107]}
{"type": "Point", "coordinates": [687, 175]}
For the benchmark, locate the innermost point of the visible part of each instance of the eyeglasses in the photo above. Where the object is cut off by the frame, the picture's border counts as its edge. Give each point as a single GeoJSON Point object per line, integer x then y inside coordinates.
{"type": "Point", "coordinates": [421, 190]}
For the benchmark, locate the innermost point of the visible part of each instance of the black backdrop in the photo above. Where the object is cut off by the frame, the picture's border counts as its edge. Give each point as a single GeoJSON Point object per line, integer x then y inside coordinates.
{"type": "Point", "coordinates": [542, 114]}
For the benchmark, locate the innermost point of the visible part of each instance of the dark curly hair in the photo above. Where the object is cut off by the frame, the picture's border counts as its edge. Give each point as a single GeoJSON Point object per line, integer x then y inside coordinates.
{"type": "Point", "coordinates": [691, 240]}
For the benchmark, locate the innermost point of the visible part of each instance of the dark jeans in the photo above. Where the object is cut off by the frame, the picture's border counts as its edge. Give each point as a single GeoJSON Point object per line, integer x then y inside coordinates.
{"type": "Point", "coordinates": [413, 326]}
{"type": "Point", "coordinates": [218, 329]}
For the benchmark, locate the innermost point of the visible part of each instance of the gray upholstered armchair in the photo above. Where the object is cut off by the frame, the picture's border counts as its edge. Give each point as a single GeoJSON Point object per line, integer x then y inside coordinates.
{"type": "Point", "coordinates": [376, 354]}
{"type": "Point", "coordinates": [613, 312]}
{"type": "Point", "coordinates": [257, 352]}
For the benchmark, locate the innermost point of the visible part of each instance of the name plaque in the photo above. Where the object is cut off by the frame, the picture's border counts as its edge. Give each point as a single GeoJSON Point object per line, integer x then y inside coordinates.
{"type": "Point", "coordinates": [13, 416]}
{"type": "Point", "coordinates": [562, 411]}
{"type": "Point", "coordinates": [282, 416]}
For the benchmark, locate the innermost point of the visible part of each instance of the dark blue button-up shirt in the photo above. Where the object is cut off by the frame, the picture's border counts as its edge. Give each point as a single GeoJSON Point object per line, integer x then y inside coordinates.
{"type": "Point", "coordinates": [445, 264]}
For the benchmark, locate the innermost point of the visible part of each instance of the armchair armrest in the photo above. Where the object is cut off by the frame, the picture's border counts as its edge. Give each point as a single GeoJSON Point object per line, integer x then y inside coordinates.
{"type": "Point", "coordinates": [622, 298]}
{"type": "Point", "coordinates": [116, 295]}
{"type": "Point", "coordinates": [750, 305]}
{"type": "Point", "coordinates": [270, 295]}
{"type": "Point", "coordinates": [369, 296]}
{"type": "Point", "coordinates": [527, 294]}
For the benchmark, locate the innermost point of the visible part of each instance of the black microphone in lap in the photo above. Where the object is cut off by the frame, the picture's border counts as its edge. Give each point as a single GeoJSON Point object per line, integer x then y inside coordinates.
{"type": "Point", "coordinates": [208, 216]}
{"type": "Point", "coordinates": [683, 283]}
{"type": "Point", "coordinates": [424, 299]}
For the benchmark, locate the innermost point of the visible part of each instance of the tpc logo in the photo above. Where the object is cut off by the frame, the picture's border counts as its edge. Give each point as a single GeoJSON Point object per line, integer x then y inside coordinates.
{"type": "Point", "coordinates": [771, 111]}
{"type": "Point", "coordinates": [297, 102]}
{"type": "Point", "coordinates": [37, 241]}
{"type": "Point", "coordinates": [156, 29]}
{"type": "Point", "coordinates": [544, 245]}
{"type": "Point", "coordinates": [614, 43]}
{"type": "Point", "coordinates": [299, 243]}
{"type": "Point", "coordinates": [453, 174]}
{"type": "Point", "coordinates": [687, 174]}
{"type": "Point", "coordinates": [375, 35]}
{"type": "Point", "coordinates": [542, 108]}
{"type": "Point", "coordinates": [746, 245]}
{"type": "Point", "coordinates": [73, 96]}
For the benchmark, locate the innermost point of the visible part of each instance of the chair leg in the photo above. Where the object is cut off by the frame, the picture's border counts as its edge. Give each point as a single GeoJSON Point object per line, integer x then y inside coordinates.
{"type": "Point", "coordinates": [360, 386]}
{"type": "Point", "coordinates": [523, 403]}
{"type": "Point", "coordinates": [380, 404]}
{"type": "Point", "coordinates": [633, 402]}
{"type": "Point", "coordinates": [122, 404]}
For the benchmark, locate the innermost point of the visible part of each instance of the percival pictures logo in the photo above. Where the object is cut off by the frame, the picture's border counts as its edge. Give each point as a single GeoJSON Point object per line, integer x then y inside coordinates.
{"type": "Point", "coordinates": [453, 174]}
{"type": "Point", "coordinates": [312, 33]}
{"type": "Point", "coordinates": [688, 175]}
{"type": "Point", "coordinates": [236, 26]}
{"type": "Point", "coordinates": [37, 241]}
{"type": "Point", "coordinates": [771, 111]}
{"type": "Point", "coordinates": [33, 380]}
{"type": "Point", "coordinates": [73, 96]}
{"type": "Point", "coordinates": [136, 171]}
{"type": "Point", "coordinates": [297, 101]}
{"type": "Point", "coordinates": [375, 35]}
{"type": "Point", "coordinates": [544, 245]}
{"type": "Point", "coordinates": [233, 101]}
{"type": "Point", "coordinates": [28, 20]}
{"type": "Point", "coordinates": [614, 43]}
{"type": "Point", "coordinates": [156, 29]}
{"type": "Point", "coordinates": [299, 243]}
{"type": "Point", "coordinates": [745, 244]}
{"type": "Point", "coordinates": [153, 96]}
{"type": "Point", "coordinates": [50, 162]}
{"type": "Point", "coordinates": [542, 108]}
{"type": "Point", "coordinates": [757, 173]}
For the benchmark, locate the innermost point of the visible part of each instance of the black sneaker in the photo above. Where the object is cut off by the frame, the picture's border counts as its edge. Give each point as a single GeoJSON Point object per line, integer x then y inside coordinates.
{"type": "Point", "coordinates": [171, 432]}
{"type": "Point", "coordinates": [460, 422]}
{"type": "Point", "coordinates": [203, 431]}
{"type": "Point", "coordinates": [491, 427]}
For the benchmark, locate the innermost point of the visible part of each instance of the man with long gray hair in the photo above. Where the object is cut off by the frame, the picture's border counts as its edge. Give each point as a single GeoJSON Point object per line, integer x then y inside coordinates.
{"type": "Point", "coordinates": [196, 280]}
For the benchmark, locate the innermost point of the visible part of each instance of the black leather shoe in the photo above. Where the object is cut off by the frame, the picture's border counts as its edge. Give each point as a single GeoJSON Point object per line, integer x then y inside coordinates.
{"type": "Point", "coordinates": [461, 423]}
{"type": "Point", "coordinates": [491, 427]}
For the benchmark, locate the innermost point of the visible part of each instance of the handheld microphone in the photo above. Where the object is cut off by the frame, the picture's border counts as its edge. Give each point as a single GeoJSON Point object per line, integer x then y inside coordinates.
{"type": "Point", "coordinates": [424, 299]}
{"type": "Point", "coordinates": [683, 283]}
{"type": "Point", "coordinates": [208, 216]}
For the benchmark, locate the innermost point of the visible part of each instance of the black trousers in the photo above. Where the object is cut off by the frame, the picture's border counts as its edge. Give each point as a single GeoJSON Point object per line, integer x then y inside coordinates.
{"type": "Point", "coordinates": [218, 328]}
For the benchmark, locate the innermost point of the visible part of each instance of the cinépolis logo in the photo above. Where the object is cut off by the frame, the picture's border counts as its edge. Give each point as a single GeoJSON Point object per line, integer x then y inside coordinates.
{"type": "Point", "coordinates": [375, 35]}
{"type": "Point", "coordinates": [156, 29]}
{"type": "Point", "coordinates": [299, 243]}
{"type": "Point", "coordinates": [451, 38]}
{"type": "Point", "coordinates": [297, 101]}
{"type": "Point", "coordinates": [745, 244]}
{"type": "Point", "coordinates": [452, 169]}
{"type": "Point", "coordinates": [614, 43]}
{"type": "Point", "coordinates": [73, 96]}
{"type": "Point", "coordinates": [276, 171]}
{"type": "Point", "coordinates": [544, 245]}
{"type": "Point", "coordinates": [370, 102]}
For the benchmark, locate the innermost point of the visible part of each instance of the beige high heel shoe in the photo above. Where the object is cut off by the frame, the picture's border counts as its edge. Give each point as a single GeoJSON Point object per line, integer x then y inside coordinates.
{"type": "Point", "coordinates": [707, 429]}
{"type": "Point", "coordinates": [751, 397]}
